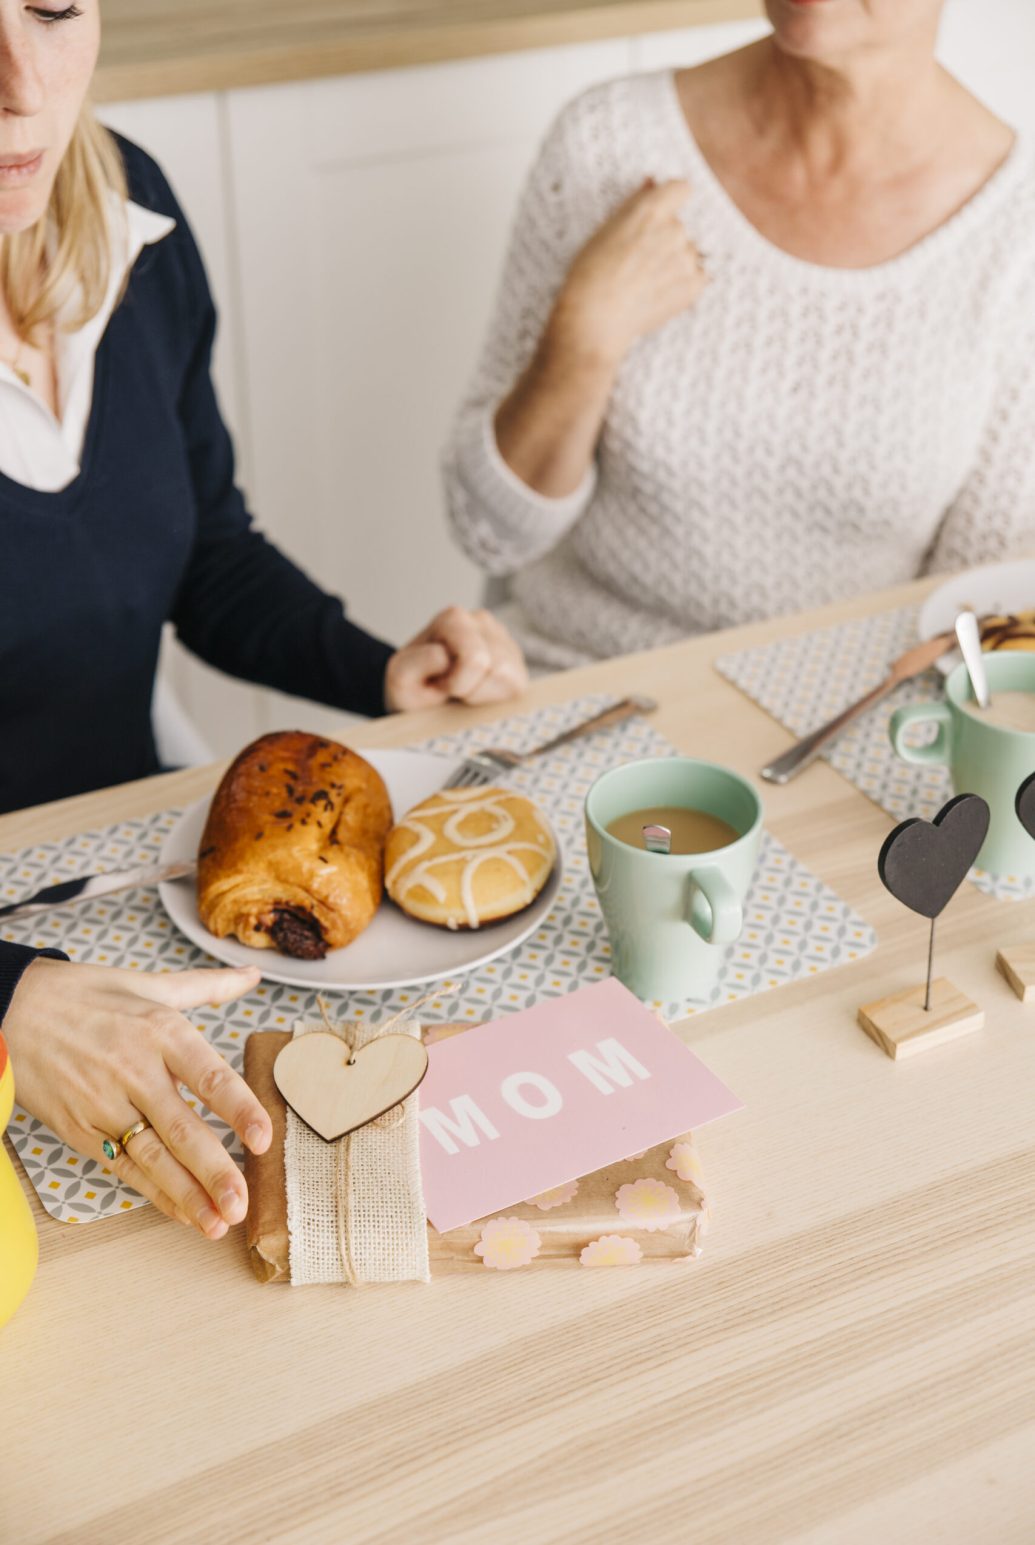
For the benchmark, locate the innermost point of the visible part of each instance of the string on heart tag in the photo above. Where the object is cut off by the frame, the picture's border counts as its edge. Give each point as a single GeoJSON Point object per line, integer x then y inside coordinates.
{"type": "Point", "coordinates": [387, 1120]}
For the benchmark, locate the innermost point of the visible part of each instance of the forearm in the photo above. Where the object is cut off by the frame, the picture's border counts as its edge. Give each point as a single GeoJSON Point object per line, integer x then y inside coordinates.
{"type": "Point", "coordinates": [247, 610]}
{"type": "Point", "coordinates": [547, 428]}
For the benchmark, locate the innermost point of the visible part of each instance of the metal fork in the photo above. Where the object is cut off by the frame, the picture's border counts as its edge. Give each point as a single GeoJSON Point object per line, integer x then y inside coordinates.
{"type": "Point", "coordinates": [484, 766]}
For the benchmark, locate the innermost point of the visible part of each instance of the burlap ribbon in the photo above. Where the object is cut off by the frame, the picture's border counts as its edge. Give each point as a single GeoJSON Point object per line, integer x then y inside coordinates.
{"type": "Point", "coordinates": [355, 1208]}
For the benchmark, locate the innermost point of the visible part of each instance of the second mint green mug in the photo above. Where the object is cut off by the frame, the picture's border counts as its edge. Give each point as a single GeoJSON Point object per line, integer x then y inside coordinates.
{"type": "Point", "coordinates": [982, 758]}
{"type": "Point", "coordinates": [670, 915]}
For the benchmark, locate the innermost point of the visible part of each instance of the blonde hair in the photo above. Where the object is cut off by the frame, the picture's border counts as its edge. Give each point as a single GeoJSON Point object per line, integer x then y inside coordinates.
{"type": "Point", "coordinates": [69, 251]}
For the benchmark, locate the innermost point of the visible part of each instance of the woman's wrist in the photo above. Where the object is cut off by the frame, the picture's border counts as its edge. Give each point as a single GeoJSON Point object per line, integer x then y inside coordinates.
{"type": "Point", "coordinates": [577, 342]}
{"type": "Point", "coordinates": [15, 961]}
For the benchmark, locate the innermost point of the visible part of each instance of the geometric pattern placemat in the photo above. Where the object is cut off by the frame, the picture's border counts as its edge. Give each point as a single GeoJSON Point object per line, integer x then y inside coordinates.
{"type": "Point", "coordinates": [805, 681]}
{"type": "Point", "coordinates": [794, 926]}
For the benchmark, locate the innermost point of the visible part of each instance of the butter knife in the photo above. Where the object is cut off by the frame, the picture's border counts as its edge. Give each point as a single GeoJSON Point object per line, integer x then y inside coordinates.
{"type": "Point", "coordinates": [70, 892]}
{"type": "Point", "coordinates": [912, 663]}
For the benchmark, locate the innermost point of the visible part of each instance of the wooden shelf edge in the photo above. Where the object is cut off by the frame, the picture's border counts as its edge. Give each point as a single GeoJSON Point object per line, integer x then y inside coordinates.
{"type": "Point", "coordinates": [369, 49]}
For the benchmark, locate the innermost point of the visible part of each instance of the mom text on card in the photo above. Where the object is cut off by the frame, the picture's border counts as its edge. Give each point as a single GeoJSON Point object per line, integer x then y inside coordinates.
{"type": "Point", "coordinates": [552, 1092]}
{"type": "Point", "coordinates": [609, 1068]}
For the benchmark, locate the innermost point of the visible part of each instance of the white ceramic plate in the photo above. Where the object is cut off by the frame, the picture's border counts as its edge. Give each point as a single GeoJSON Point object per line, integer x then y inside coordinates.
{"type": "Point", "coordinates": [394, 951]}
{"type": "Point", "coordinates": [998, 587]}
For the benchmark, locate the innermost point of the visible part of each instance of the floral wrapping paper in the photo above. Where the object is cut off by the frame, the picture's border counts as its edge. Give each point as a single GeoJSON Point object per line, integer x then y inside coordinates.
{"type": "Point", "coordinates": [649, 1206]}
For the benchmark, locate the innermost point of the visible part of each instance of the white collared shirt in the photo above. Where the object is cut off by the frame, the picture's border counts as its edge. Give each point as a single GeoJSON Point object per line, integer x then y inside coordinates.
{"type": "Point", "coordinates": [41, 451]}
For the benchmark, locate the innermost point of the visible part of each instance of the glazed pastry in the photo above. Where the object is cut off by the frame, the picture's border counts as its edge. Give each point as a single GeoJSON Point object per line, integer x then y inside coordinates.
{"type": "Point", "coordinates": [1011, 632]}
{"type": "Point", "coordinates": [292, 856]}
{"type": "Point", "coordinates": [466, 857]}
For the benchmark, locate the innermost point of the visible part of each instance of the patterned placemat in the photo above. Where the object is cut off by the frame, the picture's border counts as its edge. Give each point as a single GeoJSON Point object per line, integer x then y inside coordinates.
{"type": "Point", "coordinates": [805, 681]}
{"type": "Point", "coordinates": [795, 926]}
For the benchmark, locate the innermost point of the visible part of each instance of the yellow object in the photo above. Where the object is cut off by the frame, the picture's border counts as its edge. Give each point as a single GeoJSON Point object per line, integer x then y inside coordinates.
{"type": "Point", "coordinates": [19, 1250]}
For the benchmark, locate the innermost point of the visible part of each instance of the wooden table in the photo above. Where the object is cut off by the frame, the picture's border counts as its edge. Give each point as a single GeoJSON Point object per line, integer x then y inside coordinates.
{"type": "Point", "coordinates": [853, 1359]}
{"type": "Point", "coordinates": [151, 48]}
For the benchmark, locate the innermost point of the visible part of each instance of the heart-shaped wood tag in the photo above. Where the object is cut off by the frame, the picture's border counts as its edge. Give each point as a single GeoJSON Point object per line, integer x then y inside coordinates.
{"type": "Point", "coordinates": [1024, 805]}
{"type": "Point", "coordinates": [334, 1095]}
{"type": "Point", "coordinates": [923, 863]}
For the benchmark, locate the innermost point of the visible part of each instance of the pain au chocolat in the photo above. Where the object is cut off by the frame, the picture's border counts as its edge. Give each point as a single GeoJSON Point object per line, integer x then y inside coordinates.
{"type": "Point", "coordinates": [466, 857]}
{"type": "Point", "coordinates": [292, 856]}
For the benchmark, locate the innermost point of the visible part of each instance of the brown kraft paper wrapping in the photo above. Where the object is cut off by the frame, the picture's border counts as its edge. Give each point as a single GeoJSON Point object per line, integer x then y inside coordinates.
{"type": "Point", "coordinates": [647, 1208]}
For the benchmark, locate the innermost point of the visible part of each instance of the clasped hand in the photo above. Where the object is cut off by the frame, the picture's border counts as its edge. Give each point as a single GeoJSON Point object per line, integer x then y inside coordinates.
{"type": "Point", "coordinates": [461, 656]}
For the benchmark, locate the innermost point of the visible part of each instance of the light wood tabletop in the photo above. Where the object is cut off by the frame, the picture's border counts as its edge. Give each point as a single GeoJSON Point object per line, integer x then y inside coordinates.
{"type": "Point", "coordinates": [853, 1357]}
{"type": "Point", "coordinates": [171, 46]}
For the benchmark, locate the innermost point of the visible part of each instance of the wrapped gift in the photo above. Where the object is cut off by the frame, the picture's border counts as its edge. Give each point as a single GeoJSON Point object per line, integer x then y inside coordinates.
{"type": "Point", "coordinates": [649, 1207]}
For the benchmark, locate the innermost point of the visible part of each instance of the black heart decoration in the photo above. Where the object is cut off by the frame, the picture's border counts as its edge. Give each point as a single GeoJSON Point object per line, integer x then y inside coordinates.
{"type": "Point", "coordinates": [1024, 805]}
{"type": "Point", "coordinates": [923, 863]}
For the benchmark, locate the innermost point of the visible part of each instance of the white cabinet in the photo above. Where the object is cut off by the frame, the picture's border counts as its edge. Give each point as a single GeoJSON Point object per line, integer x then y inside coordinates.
{"type": "Point", "coordinates": [373, 213]}
{"type": "Point", "coordinates": [353, 229]}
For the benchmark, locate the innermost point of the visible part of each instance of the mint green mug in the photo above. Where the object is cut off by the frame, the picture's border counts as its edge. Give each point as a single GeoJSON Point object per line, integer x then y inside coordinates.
{"type": "Point", "coordinates": [669, 915]}
{"type": "Point", "coordinates": [982, 758]}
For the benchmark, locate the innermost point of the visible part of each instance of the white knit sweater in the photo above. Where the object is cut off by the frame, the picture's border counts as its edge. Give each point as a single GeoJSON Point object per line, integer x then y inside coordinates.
{"type": "Point", "coordinates": [800, 435]}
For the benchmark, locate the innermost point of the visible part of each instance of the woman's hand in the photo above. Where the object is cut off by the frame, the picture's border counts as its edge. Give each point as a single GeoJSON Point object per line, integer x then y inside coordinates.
{"type": "Point", "coordinates": [96, 1050]}
{"type": "Point", "coordinates": [639, 271]}
{"type": "Point", "coordinates": [461, 656]}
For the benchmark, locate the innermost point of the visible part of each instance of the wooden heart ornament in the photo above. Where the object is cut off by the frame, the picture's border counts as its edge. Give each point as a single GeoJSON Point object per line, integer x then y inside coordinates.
{"type": "Point", "coordinates": [923, 863]}
{"type": "Point", "coordinates": [335, 1091]}
{"type": "Point", "coordinates": [1024, 805]}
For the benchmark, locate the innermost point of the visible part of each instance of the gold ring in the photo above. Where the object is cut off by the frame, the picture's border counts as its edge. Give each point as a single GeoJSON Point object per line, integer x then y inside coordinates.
{"type": "Point", "coordinates": [113, 1146]}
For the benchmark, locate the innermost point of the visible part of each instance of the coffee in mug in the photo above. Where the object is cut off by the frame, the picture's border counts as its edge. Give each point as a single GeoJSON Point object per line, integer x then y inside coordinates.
{"type": "Point", "coordinates": [671, 915]}
{"type": "Point", "coordinates": [693, 831]}
{"type": "Point", "coordinates": [1007, 711]}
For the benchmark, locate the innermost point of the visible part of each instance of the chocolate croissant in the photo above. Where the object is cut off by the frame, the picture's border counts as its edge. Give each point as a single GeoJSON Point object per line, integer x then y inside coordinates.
{"type": "Point", "coordinates": [292, 856]}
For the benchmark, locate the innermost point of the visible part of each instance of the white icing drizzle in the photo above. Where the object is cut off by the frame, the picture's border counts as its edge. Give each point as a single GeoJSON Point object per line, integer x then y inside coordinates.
{"type": "Point", "coordinates": [471, 851]}
{"type": "Point", "coordinates": [453, 829]}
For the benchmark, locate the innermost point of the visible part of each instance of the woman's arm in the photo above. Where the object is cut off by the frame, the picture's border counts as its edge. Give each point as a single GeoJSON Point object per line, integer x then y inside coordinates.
{"type": "Point", "coordinates": [247, 609]}
{"type": "Point", "coordinates": [519, 466]}
{"type": "Point", "coordinates": [242, 605]}
{"type": "Point", "coordinates": [639, 271]}
{"type": "Point", "coordinates": [993, 516]}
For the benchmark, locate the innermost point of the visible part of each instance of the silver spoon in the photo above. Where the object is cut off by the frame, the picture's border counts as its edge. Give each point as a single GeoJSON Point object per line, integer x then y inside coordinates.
{"type": "Point", "coordinates": [969, 635]}
{"type": "Point", "coordinates": [657, 839]}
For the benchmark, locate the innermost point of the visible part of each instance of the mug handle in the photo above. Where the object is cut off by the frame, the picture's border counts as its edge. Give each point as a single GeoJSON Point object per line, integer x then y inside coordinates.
{"type": "Point", "coordinates": [939, 751]}
{"type": "Point", "coordinates": [725, 913]}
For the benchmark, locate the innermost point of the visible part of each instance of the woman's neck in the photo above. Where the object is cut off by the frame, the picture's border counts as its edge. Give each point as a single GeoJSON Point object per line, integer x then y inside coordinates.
{"type": "Point", "coordinates": [850, 117]}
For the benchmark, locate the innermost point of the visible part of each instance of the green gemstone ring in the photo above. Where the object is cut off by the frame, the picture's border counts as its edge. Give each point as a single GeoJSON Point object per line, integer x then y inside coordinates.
{"type": "Point", "coordinates": [113, 1146]}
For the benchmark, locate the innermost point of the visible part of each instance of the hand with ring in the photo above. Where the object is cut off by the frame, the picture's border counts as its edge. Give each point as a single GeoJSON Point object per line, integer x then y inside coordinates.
{"type": "Point", "coordinates": [99, 1056]}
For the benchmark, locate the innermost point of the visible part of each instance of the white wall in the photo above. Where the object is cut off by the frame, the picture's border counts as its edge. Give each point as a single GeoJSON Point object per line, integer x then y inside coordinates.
{"type": "Point", "coordinates": [990, 46]}
{"type": "Point", "coordinates": [353, 230]}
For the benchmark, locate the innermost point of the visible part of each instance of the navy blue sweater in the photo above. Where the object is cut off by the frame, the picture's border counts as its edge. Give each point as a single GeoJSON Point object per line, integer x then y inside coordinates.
{"type": "Point", "coordinates": [152, 529]}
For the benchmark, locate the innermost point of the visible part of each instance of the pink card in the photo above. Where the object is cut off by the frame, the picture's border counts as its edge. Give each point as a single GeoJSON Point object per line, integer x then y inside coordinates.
{"type": "Point", "coordinates": [547, 1095]}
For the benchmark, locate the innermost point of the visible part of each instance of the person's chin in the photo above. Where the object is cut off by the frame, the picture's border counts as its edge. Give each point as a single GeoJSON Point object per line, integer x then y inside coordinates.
{"type": "Point", "coordinates": [23, 198]}
{"type": "Point", "coordinates": [808, 29]}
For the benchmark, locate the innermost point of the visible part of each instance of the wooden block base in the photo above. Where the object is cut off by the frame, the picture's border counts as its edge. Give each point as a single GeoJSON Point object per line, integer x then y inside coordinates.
{"type": "Point", "coordinates": [1017, 964]}
{"type": "Point", "coordinates": [901, 1026]}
